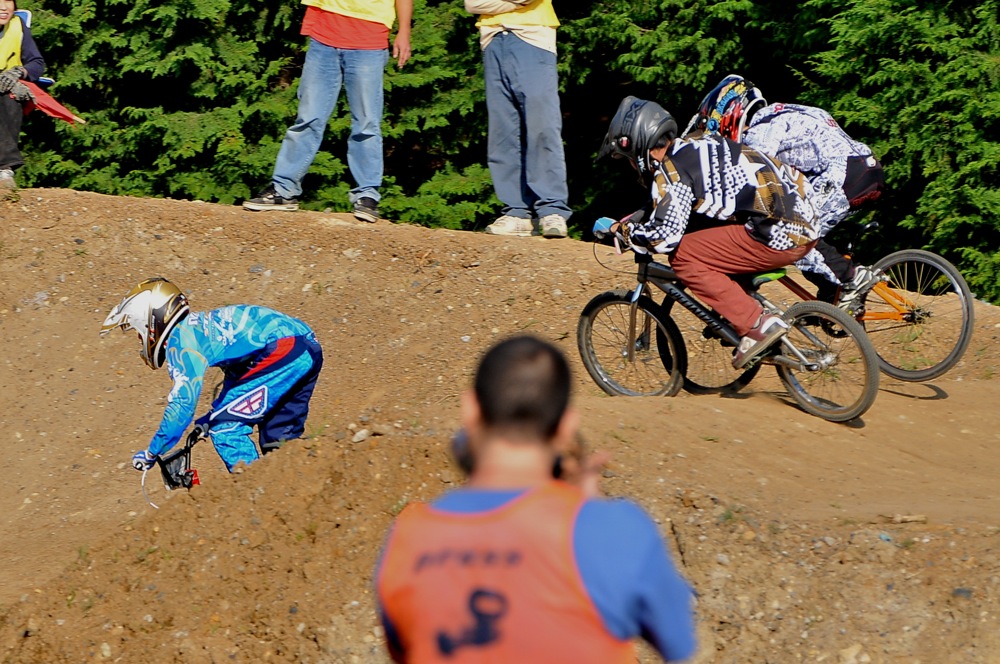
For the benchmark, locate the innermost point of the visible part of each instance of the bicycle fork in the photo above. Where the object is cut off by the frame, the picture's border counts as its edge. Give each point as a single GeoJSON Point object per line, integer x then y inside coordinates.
{"type": "Point", "coordinates": [634, 337]}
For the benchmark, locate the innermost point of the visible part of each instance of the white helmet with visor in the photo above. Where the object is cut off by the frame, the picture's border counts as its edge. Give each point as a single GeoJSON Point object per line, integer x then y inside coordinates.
{"type": "Point", "coordinates": [152, 309]}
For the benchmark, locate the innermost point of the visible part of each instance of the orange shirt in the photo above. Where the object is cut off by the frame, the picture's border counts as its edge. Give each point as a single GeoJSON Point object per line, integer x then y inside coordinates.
{"type": "Point", "coordinates": [498, 586]}
{"type": "Point", "coordinates": [339, 31]}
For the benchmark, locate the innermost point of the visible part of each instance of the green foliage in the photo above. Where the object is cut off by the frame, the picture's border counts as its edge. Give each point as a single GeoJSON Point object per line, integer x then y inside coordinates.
{"type": "Point", "coordinates": [191, 98]}
{"type": "Point", "coordinates": [921, 84]}
{"type": "Point", "coordinates": [449, 199]}
{"type": "Point", "coordinates": [149, 79]}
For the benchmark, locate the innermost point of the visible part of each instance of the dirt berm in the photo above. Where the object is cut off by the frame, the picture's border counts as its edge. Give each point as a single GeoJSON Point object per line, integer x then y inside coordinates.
{"type": "Point", "coordinates": [783, 523]}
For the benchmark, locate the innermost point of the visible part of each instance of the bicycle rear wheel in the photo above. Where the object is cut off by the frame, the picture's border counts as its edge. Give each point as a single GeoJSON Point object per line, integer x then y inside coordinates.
{"type": "Point", "coordinates": [920, 319]}
{"type": "Point", "coordinates": [836, 376]}
{"type": "Point", "coordinates": [644, 359]}
{"type": "Point", "coordinates": [709, 362]}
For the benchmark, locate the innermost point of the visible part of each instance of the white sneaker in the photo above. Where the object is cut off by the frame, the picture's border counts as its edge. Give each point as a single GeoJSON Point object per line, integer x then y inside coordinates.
{"type": "Point", "coordinates": [553, 225]}
{"type": "Point", "coordinates": [863, 279]}
{"type": "Point", "coordinates": [7, 178]}
{"type": "Point", "coordinates": [769, 328]}
{"type": "Point", "coordinates": [510, 225]}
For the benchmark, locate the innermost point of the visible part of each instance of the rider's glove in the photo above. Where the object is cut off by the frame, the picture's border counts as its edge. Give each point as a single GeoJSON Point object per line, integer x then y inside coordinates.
{"type": "Point", "coordinates": [202, 425]}
{"type": "Point", "coordinates": [634, 218]}
{"type": "Point", "coordinates": [11, 76]}
{"type": "Point", "coordinates": [602, 227]}
{"type": "Point", "coordinates": [143, 460]}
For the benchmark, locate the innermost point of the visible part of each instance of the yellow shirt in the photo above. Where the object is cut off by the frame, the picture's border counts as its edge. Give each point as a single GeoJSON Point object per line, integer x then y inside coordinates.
{"type": "Point", "coordinates": [539, 12]}
{"type": "Point", "coordinates": [10, 44]}
{"type": "Point", "coordinates": [534, 22]}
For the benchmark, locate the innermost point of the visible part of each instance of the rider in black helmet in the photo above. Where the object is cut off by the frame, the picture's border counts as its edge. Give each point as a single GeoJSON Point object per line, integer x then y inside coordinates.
{"type": "Point", "coordinates": [768, 220]}
{"type": "Point", "coordinates": [637, 128]}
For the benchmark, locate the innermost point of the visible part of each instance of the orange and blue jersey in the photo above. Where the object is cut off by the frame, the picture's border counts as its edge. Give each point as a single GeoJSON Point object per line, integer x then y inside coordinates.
{"type": "Point", "coordinates": [540, 575]}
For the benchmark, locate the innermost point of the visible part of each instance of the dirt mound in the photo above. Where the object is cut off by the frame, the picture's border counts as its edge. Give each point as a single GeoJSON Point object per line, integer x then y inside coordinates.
{"type": "Point", "coordinates": [789, 527]}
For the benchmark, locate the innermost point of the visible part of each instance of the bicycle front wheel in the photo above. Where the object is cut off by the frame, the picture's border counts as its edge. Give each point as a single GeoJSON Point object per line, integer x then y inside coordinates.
{"type": "Point", "coordinates": [827, 364]}
{"type": "Point", "coordinates": [920, 318]}
{"type": "Point", "coordinates": [640, 356]}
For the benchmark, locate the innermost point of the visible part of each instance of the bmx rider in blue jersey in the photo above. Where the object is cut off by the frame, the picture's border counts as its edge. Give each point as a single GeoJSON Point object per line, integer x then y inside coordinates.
{"type": "Point", "coordinates": [270, 362]}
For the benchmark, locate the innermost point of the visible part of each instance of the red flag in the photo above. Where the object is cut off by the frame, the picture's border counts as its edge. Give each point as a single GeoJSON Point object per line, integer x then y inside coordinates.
{"type": "Point", "coordinates": [47, 104]}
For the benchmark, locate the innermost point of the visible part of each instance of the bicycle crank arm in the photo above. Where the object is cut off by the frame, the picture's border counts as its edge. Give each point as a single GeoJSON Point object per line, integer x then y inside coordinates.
{"type": "Point", "coordinates": [793, 358]}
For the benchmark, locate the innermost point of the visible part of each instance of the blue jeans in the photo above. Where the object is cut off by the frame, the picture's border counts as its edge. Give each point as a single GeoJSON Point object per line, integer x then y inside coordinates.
{"type": "Point", "coordinates": [325, 70]}
{"type": "Point", "coordinates": [525, 147]}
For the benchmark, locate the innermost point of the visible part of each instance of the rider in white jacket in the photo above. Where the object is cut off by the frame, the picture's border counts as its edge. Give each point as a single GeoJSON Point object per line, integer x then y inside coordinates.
{"type": "Point", "coordinates": [843, 172]}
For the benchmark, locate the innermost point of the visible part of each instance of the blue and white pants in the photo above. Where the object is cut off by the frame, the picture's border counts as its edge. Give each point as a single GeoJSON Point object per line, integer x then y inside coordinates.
{"type": "Point", "coordinates": [271, 393]}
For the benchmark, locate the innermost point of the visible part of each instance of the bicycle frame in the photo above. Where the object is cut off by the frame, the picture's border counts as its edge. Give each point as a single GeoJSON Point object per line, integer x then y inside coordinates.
{"type": "Point", "coordinates": [625, 336]}
{"type": "Point", "coordinates": [902, 305]}
{"type": "Point", "coordinates": [665, 279]}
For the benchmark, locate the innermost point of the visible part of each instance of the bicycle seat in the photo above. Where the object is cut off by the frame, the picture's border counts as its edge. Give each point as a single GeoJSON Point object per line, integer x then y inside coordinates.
{"type": "Point", "coordinates": [761, 278]}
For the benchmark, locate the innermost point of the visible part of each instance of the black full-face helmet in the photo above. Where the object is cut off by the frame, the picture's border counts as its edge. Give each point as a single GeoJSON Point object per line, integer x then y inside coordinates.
{"type": "Point", "coordinates": [638, 127]}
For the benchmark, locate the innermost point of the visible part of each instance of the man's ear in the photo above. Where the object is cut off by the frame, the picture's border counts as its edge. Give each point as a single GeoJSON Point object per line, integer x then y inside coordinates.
{"type": "Point", "coordinates": [566, 437]}
{"type": "Point", "coordinates": [471, 414]}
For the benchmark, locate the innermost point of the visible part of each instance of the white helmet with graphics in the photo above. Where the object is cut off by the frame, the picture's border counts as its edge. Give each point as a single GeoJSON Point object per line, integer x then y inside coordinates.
{"type": "Point", "coordinates": [152, 309]}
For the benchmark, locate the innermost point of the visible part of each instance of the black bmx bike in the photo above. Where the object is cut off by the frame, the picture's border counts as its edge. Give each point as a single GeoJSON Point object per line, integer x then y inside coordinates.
{"type": "Point", "coordinates": [632, 345]}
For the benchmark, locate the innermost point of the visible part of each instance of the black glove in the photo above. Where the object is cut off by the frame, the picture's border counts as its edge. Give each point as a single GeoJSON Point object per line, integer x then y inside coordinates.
{"type": "Point", "coordinates": [22, 93]}
{"type": "Point", "coordinates": [10, 77]}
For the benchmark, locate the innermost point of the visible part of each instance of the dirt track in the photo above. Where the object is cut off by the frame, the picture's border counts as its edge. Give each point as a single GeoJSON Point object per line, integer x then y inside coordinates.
{"type": "Point", "coordinates": [782, 522]}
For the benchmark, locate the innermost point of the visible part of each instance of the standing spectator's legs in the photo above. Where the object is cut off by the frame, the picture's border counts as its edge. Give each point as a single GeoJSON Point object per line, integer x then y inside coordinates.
{"type": "Point", "coordinates": [535, 82]}
{"type": "Point", "coordinates": [505, 143]}
{"type": "Point", "coordinates": [11, 115]}
{"type": "Point", "coordinates": [363, 72]}
{"type": "Point", "coordinates": [319, 88]}
{"type": "Point", "coordinates": [705, 259]}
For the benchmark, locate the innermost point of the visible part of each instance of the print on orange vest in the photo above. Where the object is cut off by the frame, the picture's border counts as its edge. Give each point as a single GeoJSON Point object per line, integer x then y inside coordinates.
{"type": "Point", "coordinates": [487, 608]}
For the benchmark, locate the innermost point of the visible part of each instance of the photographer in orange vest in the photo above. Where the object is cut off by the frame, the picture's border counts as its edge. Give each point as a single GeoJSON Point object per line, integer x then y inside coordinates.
{"type": "Point", "coordinates": [517, 565]}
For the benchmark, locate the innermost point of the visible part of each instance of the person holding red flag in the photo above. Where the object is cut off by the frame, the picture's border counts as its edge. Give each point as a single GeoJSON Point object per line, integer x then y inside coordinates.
{"type": "Point", "coordinates": [20, 61]}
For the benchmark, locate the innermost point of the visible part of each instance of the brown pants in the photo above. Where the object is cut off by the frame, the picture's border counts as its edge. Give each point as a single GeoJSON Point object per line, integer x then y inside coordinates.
{"type": "Point", "coordinates": [705, 259]}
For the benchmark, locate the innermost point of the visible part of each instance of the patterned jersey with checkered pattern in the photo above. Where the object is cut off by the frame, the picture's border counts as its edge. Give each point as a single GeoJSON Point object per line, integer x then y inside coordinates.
{"type": "Point", "coordinates": [727, 181]}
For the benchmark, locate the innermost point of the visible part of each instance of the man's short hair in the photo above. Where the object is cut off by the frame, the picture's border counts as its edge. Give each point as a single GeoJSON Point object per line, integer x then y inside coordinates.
{"type": "Point", "coordinates": [522, 386]}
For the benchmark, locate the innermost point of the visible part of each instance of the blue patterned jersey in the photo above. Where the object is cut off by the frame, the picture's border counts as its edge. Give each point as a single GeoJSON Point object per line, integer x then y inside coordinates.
{"type": "Point", "coordinates": [229, 338]}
